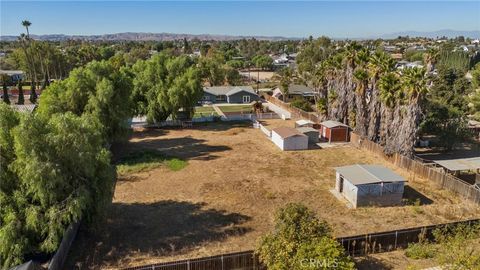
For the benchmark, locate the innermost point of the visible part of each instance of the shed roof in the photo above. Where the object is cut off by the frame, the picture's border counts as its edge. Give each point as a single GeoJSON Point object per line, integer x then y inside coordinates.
{"type": "Point", "coordinates": [304, 122]}
{"type": "Point", "coordinates": [461, 164]}
{"type": "Point", "coordinates": [332, 124]}
{"type": "Point", "coordinates": [286, 132]}
{"type": "Point", "coordinates": [360, 174]}
{"type": "Point", "coordinates": [307, 129]}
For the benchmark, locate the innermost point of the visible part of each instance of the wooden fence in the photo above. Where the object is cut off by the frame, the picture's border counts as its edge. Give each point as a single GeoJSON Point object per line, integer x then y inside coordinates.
{"type": "Point", "coordinates": [296, 113]}
{"type": "Point", "coordinates": [265, 130]}
{"type": "Point", "coordinates": [357, 245]}
{"type": "Point", "coordinates": [436, 175]}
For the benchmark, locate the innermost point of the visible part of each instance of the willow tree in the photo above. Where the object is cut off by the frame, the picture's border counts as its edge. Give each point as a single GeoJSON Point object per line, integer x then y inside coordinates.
{"type": "Point", "coordinates": [165, 85]}
{"type": "Point", "coordinates": [98, 89]}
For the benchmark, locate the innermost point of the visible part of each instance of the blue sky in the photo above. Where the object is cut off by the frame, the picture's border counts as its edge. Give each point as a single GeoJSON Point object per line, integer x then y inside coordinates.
{"type": "Point", "coordinates": [271, 18]}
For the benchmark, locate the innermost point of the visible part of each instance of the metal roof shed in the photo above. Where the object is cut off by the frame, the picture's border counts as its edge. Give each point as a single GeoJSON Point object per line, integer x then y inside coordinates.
{"type": "Point", "coordinates": [303, 123]}
{"type": "Point", "coordinates": [287, 138]}
{"type": "Point", "coordinates": [334, 131]}
{"type": "Point", "coordinates": [461, 164]}
{"type": "Point", "coordinates": [313, 134]}
{"type": "Point", "coordinates": [364, 185]}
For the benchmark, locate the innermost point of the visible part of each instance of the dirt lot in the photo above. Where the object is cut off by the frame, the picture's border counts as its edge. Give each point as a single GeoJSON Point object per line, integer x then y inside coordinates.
{"type": "Point", "coordinates": [226, 197]}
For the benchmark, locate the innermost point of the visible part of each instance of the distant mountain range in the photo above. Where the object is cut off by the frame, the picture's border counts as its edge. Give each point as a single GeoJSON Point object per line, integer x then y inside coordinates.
{"type": "Point", "coordinates": [434, 34]}
{"type": "Point", "coordinates": [134, 36]}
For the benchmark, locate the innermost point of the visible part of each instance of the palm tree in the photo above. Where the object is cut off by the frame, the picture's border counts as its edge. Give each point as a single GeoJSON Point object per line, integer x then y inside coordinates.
{"type": "Point", "coordinates": [415, 83]}
{"type": "Point", "coordinates": [361, 77]}
{"type": "Point", "coordinates": [389, 86]}
{"type": "Point", "coordinates": [430, 58]}
{"type": "Point", "coordinates": [27, 24]}
{"type": "Point", "coordinates": [285, 81]}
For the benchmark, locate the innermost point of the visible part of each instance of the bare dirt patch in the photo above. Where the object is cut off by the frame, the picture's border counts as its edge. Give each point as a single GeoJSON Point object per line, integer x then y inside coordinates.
{"type": "Point", "coordinates": [225, 199]}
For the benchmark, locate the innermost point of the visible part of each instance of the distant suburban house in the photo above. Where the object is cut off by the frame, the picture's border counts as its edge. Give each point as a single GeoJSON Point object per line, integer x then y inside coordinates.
{"type": "Point", "coordinates": [295, 91]}
{"type": "Point", "coordinates": [313, 134]}
{"type": "Point", "coordinates": [287, 138]}
{"type": "Point", "coordinates": [367, 185]}
{"type": "Point", "coordinates": [229, 94]}
{"type": "Point", "coordinates": [15, 75]}
{"type": "Point", "coordinates": [334, 131]}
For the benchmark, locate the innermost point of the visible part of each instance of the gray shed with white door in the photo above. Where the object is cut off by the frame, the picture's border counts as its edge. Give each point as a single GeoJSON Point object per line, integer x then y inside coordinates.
{"type": "Point", "coordinates": [369, 185]}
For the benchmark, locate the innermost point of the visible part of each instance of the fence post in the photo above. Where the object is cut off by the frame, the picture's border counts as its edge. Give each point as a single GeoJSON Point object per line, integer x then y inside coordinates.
{"type": "Point", "coordinates": [188, 265]}
{"type": "Point", "coordinates": [222, 261]}
{"type": "Point", "coordinates": [396, 237]}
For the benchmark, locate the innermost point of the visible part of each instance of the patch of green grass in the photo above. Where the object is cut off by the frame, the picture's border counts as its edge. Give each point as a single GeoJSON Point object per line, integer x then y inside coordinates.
{"type": "Point", "coordinates": [176, 164]}
{"type": "Point", "coordinates": [141, 161]}
{"type": "Point", "coordinates": [204, 111]}
{"type": "Point", "coordinates": [236, 108]}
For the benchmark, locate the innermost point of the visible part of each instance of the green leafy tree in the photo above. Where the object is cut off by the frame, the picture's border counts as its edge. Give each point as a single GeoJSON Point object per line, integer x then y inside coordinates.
{"type": "Point", "coordinates": [286, 78]}
{"type": "Point", "coordinates": [232, 76]}
{"type": "Point", "coordinates": [474, 103]}
{"type": "Point", "coordinates": [98, 89]}
{"type": "Point", "coordinates": [301, 241]}
{"type": "Point", "coordinates": [5, 81]}
{"type": "Point", "coordinates": [21, 96]}
{"type": "Point", "coordinates": [33, 93]}
{"type": "Point", "coordinates": [164, 85]}
{"type": "Point", "coordinates": [55, 170]}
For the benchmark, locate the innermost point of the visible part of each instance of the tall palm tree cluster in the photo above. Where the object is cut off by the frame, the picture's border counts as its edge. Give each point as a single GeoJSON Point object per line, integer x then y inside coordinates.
{"type": "Point", "coordinates": [36, 62]}
{"type": "Point", "coordinates": [362, 88]}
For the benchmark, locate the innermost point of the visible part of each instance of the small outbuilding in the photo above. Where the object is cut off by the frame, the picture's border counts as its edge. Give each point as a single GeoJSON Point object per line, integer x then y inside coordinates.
{"type": "Point", "coordinates": [313, 134]}
{"type": "Point", "coordinates": [304, 123]}
{"type": "Point", "coordinates": [365, 185]}
{"type": "Point", "coordinates": [287, 138]}
{"type": "Point", "coordinates": [334, 131]}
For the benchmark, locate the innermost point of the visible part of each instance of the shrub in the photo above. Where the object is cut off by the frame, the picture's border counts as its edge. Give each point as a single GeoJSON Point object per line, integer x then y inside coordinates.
{"type": "Point", "coordinates": [422, 250]}
{"type": "Point", "coordinates": [301, 241]}
{"type": "Point", "coordinates": [302, 105]}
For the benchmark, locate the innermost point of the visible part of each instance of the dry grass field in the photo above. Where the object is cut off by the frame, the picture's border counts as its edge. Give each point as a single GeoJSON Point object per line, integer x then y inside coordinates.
{"type": "Point", "coordinates": [226, 197]}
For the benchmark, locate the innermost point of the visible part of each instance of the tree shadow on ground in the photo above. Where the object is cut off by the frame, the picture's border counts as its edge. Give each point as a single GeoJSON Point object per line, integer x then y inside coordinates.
{"type": "Point", "coordinates": [158, 229]}
{"type": "Point", "coordinates": [370, 263]}
{"type": "Point", "coordinates": [411, 195]}
{"type": "Point", "coordinates": [184, 148]}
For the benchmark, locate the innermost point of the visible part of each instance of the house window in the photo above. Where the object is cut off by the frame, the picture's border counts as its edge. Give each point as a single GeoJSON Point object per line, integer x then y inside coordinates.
{"type": "Point", "coordinates": [206, 98]}
{"type": "Point", "coordinates": [246, 99]}
{"type": "Point", "coordinates": [221, 98]}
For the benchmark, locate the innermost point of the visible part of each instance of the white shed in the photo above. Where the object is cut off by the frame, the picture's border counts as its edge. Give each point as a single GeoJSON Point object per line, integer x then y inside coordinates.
{"type": "Point", "coordinates": [303, 123]}
{"type": "Point", "coordinates": [289, 139]}
{"type": "Point", "coordinates": [365, 185]}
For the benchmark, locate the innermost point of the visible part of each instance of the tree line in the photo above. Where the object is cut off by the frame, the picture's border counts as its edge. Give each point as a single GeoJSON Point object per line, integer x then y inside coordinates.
{"type": "Point", "coordinates": [56, 163]}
